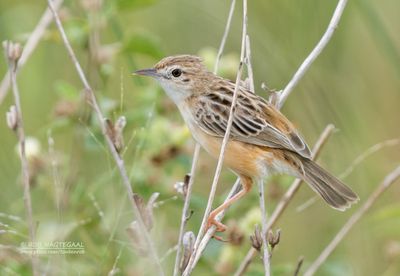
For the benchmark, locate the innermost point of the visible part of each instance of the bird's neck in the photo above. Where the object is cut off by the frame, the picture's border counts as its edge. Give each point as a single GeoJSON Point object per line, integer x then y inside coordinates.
{"type": "Point", "coordinates": [177, 96]}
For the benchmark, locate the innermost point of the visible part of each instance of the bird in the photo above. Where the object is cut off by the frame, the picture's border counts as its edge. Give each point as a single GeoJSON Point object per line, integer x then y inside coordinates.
{"type": "Point", "coordinates": [262, 140]}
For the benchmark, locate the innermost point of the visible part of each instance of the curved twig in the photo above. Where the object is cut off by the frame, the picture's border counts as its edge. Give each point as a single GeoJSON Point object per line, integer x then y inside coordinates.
{"type": "Point", "coordinates": [282, 96]}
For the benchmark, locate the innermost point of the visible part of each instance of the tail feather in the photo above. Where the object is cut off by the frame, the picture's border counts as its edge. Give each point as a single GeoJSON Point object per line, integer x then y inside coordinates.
{"type": "Point", "coordinates": [331, 189]}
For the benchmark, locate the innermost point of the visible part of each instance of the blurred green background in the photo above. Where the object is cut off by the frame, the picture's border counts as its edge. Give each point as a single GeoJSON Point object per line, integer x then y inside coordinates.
{"type": "Point", "coordinates": [77, 194]}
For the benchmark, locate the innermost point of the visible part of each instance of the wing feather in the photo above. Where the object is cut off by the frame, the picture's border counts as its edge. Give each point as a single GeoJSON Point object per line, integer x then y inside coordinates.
{"type": "Point", "coordinates": [255, 121]}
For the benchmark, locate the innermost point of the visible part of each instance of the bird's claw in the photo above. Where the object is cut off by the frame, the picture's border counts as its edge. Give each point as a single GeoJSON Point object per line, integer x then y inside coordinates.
{"type": "Point", "coordinates": [220, 227]}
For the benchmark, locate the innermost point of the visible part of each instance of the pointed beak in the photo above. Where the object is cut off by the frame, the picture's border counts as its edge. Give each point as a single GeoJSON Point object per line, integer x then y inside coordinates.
{"type": "Point", "coordinates": [151, 72]}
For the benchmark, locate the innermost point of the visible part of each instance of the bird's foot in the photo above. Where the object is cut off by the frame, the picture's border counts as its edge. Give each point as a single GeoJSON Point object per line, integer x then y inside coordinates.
{"type": "Point", "coordinates": [220, 227]}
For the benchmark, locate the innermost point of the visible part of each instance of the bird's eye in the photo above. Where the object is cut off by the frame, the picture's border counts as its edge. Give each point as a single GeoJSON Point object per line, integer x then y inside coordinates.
{"type": "Point", "coordinates": [176, 72]}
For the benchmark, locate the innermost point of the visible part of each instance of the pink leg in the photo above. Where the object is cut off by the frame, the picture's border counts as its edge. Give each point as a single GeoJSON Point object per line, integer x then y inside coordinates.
{"type": "Point", "coordinates": [246, 186]}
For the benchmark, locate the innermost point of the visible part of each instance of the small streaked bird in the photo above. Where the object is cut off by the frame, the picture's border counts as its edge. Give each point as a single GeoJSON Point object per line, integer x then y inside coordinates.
{"type": "Point", "coordinates": [262, 140]}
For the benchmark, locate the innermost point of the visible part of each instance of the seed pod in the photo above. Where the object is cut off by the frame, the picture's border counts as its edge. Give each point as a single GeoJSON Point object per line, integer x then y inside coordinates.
{"type": "Point", "coordinates": [12, 50]}
{"type": "Point", "coordinates": [273, 239]}
{"type": "Point", "coordinates": [12, 118]}
{"type": "Point", "coordinates": [256, 239]}
{"type": "Point", "coordinates": [188, 243]}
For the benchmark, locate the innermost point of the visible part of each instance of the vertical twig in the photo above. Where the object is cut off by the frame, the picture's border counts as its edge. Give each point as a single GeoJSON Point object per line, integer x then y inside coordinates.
{"type": "Point", "coordinates": [118, 160]}
{"type": "Point", "coordinates": [197, 147]}
{"type": "Point", "coordinates": [284, 202]}
{"type": "Point", "coordinates": [266, 250]}
{"type": "Point", "coordinates": [266, 253]}
{"type": "Point", "coordinates": [224, 142]}
{"type": "Point", "coordinates": [248, 65]}
{"type": "Point", "coordinates": [386, 183]}
{"type": "Point", "coordinates": [282, 96]}
{"type": "Point", "coordinates": [210, 232]}
{"type": "Point", "coordinates": [13, 53]}
{"type": "Point", "coordinates": [29, 47]}
{"type": "Point", "coordinates": [186, 209]}
{"type": "Point", "coordinates": [314, 53]}
{"type": "Point", "coordinates": [224, 37]}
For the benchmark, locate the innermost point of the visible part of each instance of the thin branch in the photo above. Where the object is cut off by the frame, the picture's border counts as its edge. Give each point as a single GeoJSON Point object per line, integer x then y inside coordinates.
{"type": "Point", "coordinates": [386, 183]}
{"type": "Point", "coordinates": [314, 53]}
{"type": "Point", "coordinates": [298, 266]}
{"type": "Point", "coordinates": [248, 65]}
{"type": "Point", "coordinates": [118, 160]}
{"type": "Point", "coordinates": [197, 147]}
{"type": "Point", "coordinates": [357, 161]}
{"type": "Point", "coordinates": [13, 53]}
{"type": "Point", "coordinates": [210, 232]}
{"type": "Point", "coordinates": [367, 153]}
{"type": "Point", "coordinates": [219, 164]}
{"type": "Point", "coordinates": [225, 140]}
{"type": "Point", "coordinates": [285, 200]}
{"type": "Point", "coordinates": [266, 252]}
{"type": "Point", "coordinates": [246, 262]}
{"type": "Point", "coordinates": [29, 47]}
{"type": "Point", "coordinates": [224, 37]}
{"type": "Point", "coordinates": [185, 210]}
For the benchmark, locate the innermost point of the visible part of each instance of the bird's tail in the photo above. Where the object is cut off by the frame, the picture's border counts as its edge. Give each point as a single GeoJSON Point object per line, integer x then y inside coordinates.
{"type": "Point", "coordinates": [331, 189]}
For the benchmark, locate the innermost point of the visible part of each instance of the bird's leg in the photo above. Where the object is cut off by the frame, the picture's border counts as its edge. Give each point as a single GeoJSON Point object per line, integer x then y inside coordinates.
{"type": "Point", "coordinates": [246, 185]}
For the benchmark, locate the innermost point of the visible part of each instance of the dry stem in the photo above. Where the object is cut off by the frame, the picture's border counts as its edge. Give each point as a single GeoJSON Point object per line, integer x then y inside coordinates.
{"type": "Point", "coordinates": [210, 232]}
{"type": "Point", "coordinates": [313, 55]}
{"type": "Point", "coordinates": [193, 261]}
{"type": "Point", "coordinates": [367, 153]}
{"type": "Point", "coordinates": [266, 252]}
{"type": "Point", "coordinates": [224, 37]}
{"type": "Point", "coordinates": [29, 47]}
{"type": "Point", "coordinates": [13, 65]}
{"type": "Point", "coordinates": [118, 160]}
{"type": "Point", "coordinates": [186, 209]}
{"type": "Point", "coordinates": [197, 147]}
{"type": "Point", "coordinates": [282, 96]}
{"type": "Point", "coordinates": [386, 183]}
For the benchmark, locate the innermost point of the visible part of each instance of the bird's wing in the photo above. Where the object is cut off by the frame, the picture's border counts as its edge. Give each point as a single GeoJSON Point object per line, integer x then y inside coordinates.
{"type": "Point", "coordinates": [255, 121]}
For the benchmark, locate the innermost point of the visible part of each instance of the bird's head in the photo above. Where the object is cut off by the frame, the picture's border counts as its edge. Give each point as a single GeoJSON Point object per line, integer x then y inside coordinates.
{"type": "Point", "coordinates": [180, 76]}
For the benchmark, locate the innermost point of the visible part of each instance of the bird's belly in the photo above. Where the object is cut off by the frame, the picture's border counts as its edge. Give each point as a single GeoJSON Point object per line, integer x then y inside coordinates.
{"type": "Point", "coordinates": [242, 158]}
